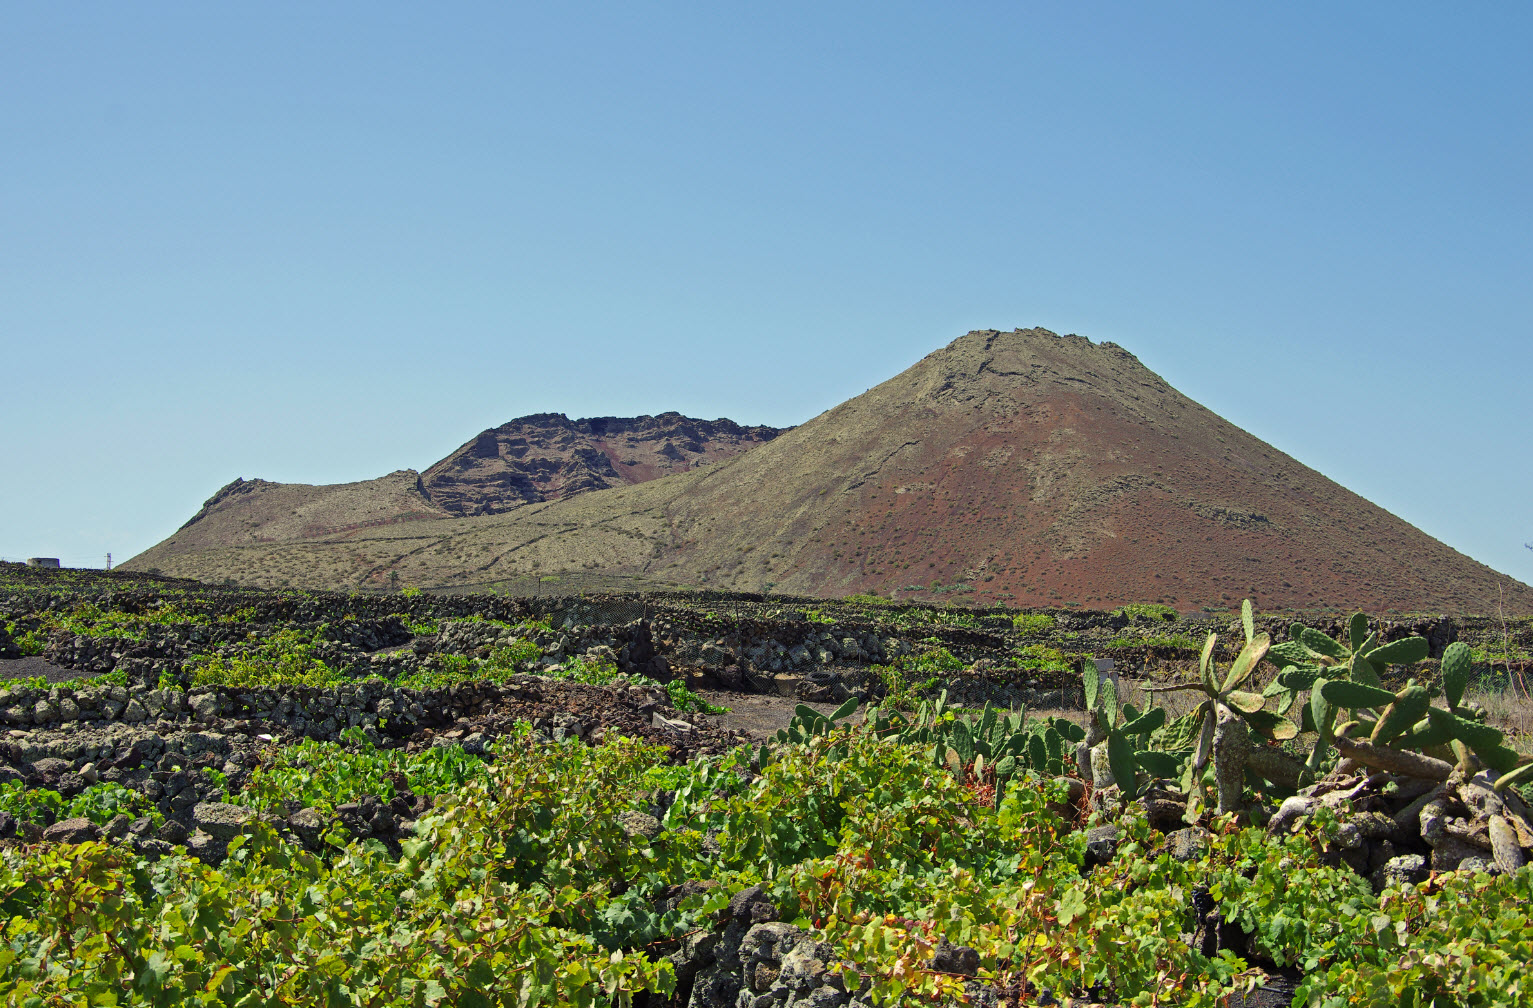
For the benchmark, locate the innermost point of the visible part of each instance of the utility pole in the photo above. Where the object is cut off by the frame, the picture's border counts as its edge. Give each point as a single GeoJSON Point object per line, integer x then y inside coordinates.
{"type": "Point", "coordinates": [109, 561]}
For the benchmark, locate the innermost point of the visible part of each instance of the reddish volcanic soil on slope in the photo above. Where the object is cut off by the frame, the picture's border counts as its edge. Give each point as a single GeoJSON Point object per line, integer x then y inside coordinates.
{"type": "Point", "coordinates": [1037, 468]}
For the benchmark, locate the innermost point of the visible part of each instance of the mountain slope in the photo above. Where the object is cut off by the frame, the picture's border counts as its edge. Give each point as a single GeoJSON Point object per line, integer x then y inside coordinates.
{"type": "Point", "coordinates": [280, 533]}
{"type": "Point", "coordinates": [250, 512]}
{"type": "Point", "coordinates": [1022, 467]}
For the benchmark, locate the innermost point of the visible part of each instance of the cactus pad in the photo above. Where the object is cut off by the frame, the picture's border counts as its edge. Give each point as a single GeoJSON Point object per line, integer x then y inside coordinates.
{"type": "Point", "coordinates": [1355, 695]}
{"type": "Point", "coordinates": [1456, 663]}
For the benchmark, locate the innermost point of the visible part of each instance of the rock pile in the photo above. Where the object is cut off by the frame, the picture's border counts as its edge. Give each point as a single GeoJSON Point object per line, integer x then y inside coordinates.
{"type": "Point", "coordinates": [750, 959]}
{"type": "Point", "coordinates": [1397, 828]}
{"type": "Point", "coordinates": [1393, 828]}
{"type": "Point", "coordinates": [324, 712]}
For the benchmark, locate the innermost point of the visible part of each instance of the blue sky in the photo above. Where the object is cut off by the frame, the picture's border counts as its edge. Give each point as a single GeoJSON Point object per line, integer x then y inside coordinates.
{"type": "Point", "coordinates": [317, 243]}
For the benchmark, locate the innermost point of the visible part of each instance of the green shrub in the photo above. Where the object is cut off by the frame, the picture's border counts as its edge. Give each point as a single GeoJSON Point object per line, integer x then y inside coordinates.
{"type": "Point", "coordinates": [1497, 654]}
{"type": "Point", "coordinates": [1148, 610]}
{"type": "Point", "coordinates": [911, 677]}
{"type": "Point", "coordinates": [684, 699]}
{"type": "Point", "coordinates": [88, 619]}
{"type": "Point", "coordinates": [326, 774]}
{"type": "Point", "coordinates": [29, 804]}
{"type": "Point", "coordinates": [1042, 658]}
{"type": "Point", "coordinates": [30, 642]}
{"type": "Point", "coordinates": [595, 673]}
{"type": "Point", "coordinates": [420, 626]}
{"type": "Point", "coordinates": [1032, 624]}
{"type": "Point", "coordinates": [441, 670]}
{"type": "Point", "coordinates": [287, 658]}
{"type": "Point", "coordinates": [932, 660]}
{"type": "Point", "coordinates": [27, 682]}
{"type": "Point", "coordinates": [99, 803]}
{"type": "Point", "coordinates": [1465, 940]}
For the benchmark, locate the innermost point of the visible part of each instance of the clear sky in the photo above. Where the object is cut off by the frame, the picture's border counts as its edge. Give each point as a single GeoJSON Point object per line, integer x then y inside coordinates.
{"type": "Point", "coordinates": [319, 242]}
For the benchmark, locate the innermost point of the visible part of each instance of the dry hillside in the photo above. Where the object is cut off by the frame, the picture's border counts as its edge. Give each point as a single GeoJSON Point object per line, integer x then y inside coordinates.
{"type": "Point", "coordinates": [1019, 467]}
{"type": "Point", "coordinates": [545, 456]}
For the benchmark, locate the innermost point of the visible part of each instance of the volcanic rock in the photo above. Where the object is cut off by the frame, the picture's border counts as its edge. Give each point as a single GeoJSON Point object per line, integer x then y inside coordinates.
{"type": "Point", "coordinates": [220, 820]}
{"type": "Point", "coordinates": [548, 456]}
{"type": "Point", "coordinates": [71, 831]}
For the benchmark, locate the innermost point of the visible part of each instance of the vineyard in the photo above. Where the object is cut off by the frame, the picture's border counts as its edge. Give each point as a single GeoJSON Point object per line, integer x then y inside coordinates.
{"type": "Point", "coordinates": [222, 796]}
